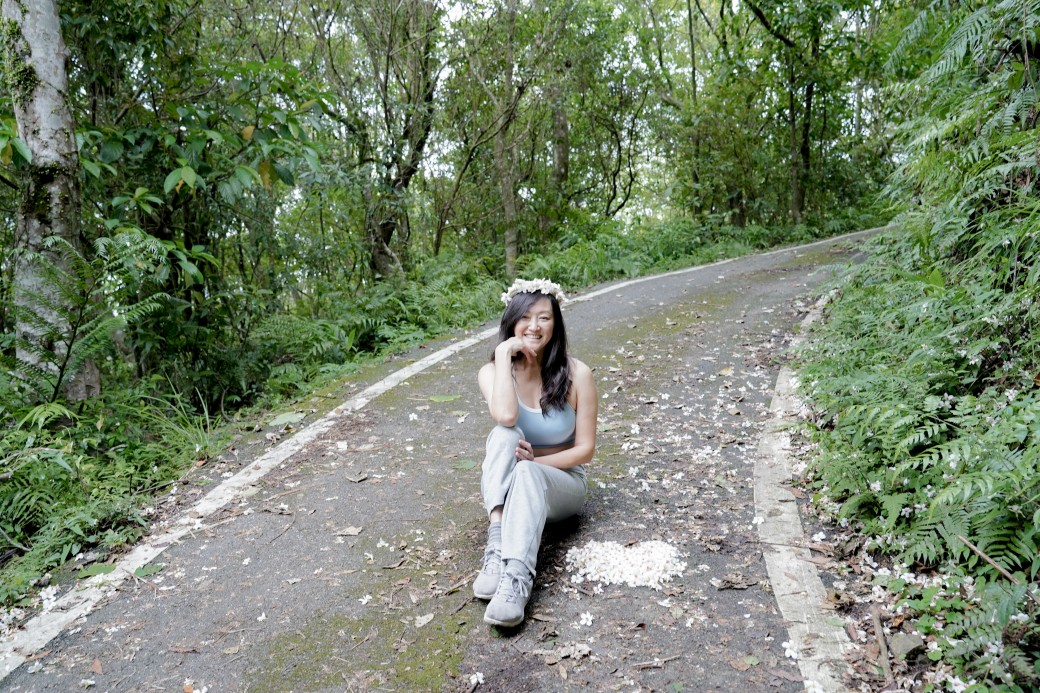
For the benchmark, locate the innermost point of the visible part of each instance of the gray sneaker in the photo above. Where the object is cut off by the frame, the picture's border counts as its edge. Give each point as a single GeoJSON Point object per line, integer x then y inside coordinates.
{"type": "Point", "coordinates": [510, 600]}
{"type": "Point", "coordinates": [490, 575]}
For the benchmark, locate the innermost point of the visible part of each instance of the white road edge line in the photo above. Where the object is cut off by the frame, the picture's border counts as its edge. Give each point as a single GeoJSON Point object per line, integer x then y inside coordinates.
{"type": "Point", "coordinates": [85, 596]}
{"type": "Point", "coordinates": [821, 645]}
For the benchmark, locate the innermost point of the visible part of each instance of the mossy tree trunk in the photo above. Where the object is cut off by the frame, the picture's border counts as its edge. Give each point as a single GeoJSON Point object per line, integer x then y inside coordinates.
{"type": "Point", "coordinates": [34, 69]}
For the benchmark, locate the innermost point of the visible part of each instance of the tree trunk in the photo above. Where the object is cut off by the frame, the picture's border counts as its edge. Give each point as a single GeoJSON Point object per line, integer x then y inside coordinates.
{"type": "Point", "coordinates": [34, 56]}
{"type": "Point", "coordinates": [504, 164]}
{"type": "Point", "coordinates": [805, 148]}
{"type": "Point", "coordinates": [797, 194]}
{"type": "Point", "coordinates": [695, 173]}
{"type": "Point", "coordinates": [505, 160]}
{"type": "Point", "coordinates": [552, 210]}
{"type": "Point", "coordinates": [400, 38]}
{"type": "Point", "coordinates": [380, 224]}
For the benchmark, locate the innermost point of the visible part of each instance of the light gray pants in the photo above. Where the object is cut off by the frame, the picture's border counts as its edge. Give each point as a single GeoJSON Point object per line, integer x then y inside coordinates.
{"type": "Point", "coordinates": [530, 492]}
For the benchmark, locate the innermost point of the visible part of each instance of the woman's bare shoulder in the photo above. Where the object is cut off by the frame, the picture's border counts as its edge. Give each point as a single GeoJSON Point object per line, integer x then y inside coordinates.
{"type": "Point", "coordinates": [486, 372]}
{"type": "Point", "coordinates": [578, 368]}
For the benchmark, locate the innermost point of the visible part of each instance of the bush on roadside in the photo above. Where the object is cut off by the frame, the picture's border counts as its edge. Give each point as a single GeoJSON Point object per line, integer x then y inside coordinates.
{"type": "Point", "coordinates": [924, 381]}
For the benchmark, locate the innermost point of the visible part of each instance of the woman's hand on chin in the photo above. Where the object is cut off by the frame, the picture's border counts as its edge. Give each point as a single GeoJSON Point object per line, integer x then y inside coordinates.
{"type": "Point", "coordinates": [513, 346]}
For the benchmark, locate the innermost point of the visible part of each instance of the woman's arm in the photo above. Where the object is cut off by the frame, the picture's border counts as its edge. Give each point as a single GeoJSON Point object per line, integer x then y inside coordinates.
{"type": "Point", "coordinates": [586, 410]}
{"type": "Point", "coordinates": [496, 382]}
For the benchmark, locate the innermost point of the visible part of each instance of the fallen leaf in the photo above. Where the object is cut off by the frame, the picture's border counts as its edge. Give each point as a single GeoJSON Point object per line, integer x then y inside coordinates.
{"type": "Point", "coordinates": [733, 581]}
{"type": "Point", "coordinates": [349, 532]}
{"type": "Point", "coordinates": [727, 371]}
{"type": "Point", "coordinates": [96, 569]}
{"type": "Point", "coordinates": [840, 600]}
{"type": "Point", "coordinates": [421, 621]}
{"type": "Point", "coordinates": [232, 650]}
{"type": "Point", "coordinates": [149, 570]}
{"type": "Point", "coordinates": [787, 675]}
{"type": "Point", "coordinates": [357, 479]}
{"type": "Point", "coordinates": [286, 419]}
{"type": "Point", "coordinates": [739, 664]}
{"type": "Point", "coordinates": [466, 464]}
{"type": "Point", "coordinates": [444, 398]}
{"type": "Point", "coordinates": [97, 668]}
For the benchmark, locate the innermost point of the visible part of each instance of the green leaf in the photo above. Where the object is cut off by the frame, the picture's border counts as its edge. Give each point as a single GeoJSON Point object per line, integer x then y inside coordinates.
{"type": "Point", "coordinates": [752, 660]}
{"type": "Point", "coordinates": [444, 398]}
{"type": "Point", "coordinates": [284, 174]}
{"type": "Point", "coordinates": [466, 464]}
{"type": "Point", "coordinates": [172, 179]}
{"type": "Point", "coordinates": [247, 176]}
{"type": "Point", "coordinates": [185, 174]}
{"type": "Point", "coordinates": [91, 168]}
{"type": "Point", "coordinates": [286, 419]}
{"type": "Point", "coordinates": [22, 149]}
{"type": "Point", "coordinates": [110, 151]}
{"type": "Point", "coordinates": [96, 569]}
{"type": "Point", "coordinates": [189, 176]}
{"type": "Point", "coordinates": [149, 570]}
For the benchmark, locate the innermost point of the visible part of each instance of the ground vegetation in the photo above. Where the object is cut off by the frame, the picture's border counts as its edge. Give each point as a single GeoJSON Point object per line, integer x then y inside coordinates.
{"type": "Point", "coordinates": [923, 380]}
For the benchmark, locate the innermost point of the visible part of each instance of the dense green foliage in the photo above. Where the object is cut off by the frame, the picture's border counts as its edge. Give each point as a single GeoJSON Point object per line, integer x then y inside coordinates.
{"type": "Point", "coordinates": [925, 377]}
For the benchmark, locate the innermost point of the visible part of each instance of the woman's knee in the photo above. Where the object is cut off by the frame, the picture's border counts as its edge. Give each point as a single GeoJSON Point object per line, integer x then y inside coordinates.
{"type": "Point", "coordinates": [531, 472]}
{"type": "Point", "coordinates": [503, 437]}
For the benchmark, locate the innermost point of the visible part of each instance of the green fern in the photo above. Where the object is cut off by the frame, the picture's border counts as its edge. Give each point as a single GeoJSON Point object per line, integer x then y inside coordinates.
{"type": "Point", "coordinates": [74, 293]}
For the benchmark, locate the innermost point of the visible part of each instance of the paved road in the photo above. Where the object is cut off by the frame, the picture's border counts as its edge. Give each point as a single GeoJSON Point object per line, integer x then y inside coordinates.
{"type": "Point", "coordinates": [347, 565]}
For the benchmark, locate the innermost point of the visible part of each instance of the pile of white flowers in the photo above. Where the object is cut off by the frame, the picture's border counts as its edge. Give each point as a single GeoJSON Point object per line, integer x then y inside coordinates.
{"type": "Point", "coordinates": [646, 564]}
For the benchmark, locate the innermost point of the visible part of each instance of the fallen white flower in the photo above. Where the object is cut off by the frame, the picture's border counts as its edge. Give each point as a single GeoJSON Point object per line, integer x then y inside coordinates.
{"type": "Point", "coordinates": [476, 679]}
{"type": "Point", "coordinates": [646, 564]}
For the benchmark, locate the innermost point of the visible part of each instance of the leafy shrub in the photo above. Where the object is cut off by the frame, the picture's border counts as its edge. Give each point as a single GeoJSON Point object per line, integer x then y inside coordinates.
{"type": "Point", "coordinates": [74, 481]}
{"type": "Point", "coordinates": [923, 380]}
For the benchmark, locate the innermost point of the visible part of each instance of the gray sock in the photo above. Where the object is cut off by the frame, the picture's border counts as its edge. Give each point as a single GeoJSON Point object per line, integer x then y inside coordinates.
{"type": "Point", "coordinates": [495, 535]}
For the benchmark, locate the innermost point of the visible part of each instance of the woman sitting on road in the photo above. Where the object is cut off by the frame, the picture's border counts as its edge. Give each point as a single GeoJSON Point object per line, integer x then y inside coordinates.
{"type": "Point", "coordinates": [544, 405]}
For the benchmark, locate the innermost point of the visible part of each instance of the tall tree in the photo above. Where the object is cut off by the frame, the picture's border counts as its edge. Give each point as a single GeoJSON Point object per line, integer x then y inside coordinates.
{"type": "Point", "coordinates": [400, 39]}
{"type": "Point", "coordinates": [34, 65]}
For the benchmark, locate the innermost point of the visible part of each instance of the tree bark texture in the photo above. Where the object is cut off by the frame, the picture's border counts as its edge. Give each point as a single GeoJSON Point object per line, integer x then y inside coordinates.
{"type": "Point", "coordinates": [505, 159]}
{"type": "Point", "coordinates": [400, 38]}
{"type": "Point", "coordinates": [795, 162]}
{"type": "Point", "coordinates": [34, 67]}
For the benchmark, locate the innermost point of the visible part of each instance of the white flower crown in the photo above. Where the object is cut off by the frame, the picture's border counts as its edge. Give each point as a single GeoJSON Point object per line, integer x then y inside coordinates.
{"type": "Point", "coordinates": [534, 286]}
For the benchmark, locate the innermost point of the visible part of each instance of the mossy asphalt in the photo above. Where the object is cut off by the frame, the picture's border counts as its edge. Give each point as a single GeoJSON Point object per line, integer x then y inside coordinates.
{"type": "Point", "coordinates": [347, 566]}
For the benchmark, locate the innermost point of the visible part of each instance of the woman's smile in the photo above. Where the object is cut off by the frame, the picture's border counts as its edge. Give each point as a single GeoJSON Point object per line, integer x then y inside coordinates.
{"type": "Point", "coordinates": [535, 328]}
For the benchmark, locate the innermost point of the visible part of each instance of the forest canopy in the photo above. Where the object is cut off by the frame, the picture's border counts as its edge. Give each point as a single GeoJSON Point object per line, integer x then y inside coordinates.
{"type": "Point", "coordinates": [247, 171]}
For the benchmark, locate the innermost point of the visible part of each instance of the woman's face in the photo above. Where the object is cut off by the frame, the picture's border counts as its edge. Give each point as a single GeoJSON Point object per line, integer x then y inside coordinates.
{"type": "Point", "coordinates": [535, 328]}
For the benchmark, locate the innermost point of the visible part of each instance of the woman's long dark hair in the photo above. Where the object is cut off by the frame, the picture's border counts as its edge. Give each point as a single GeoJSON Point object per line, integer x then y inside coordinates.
{"type": "Point", "coordinates": [556, 366]}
